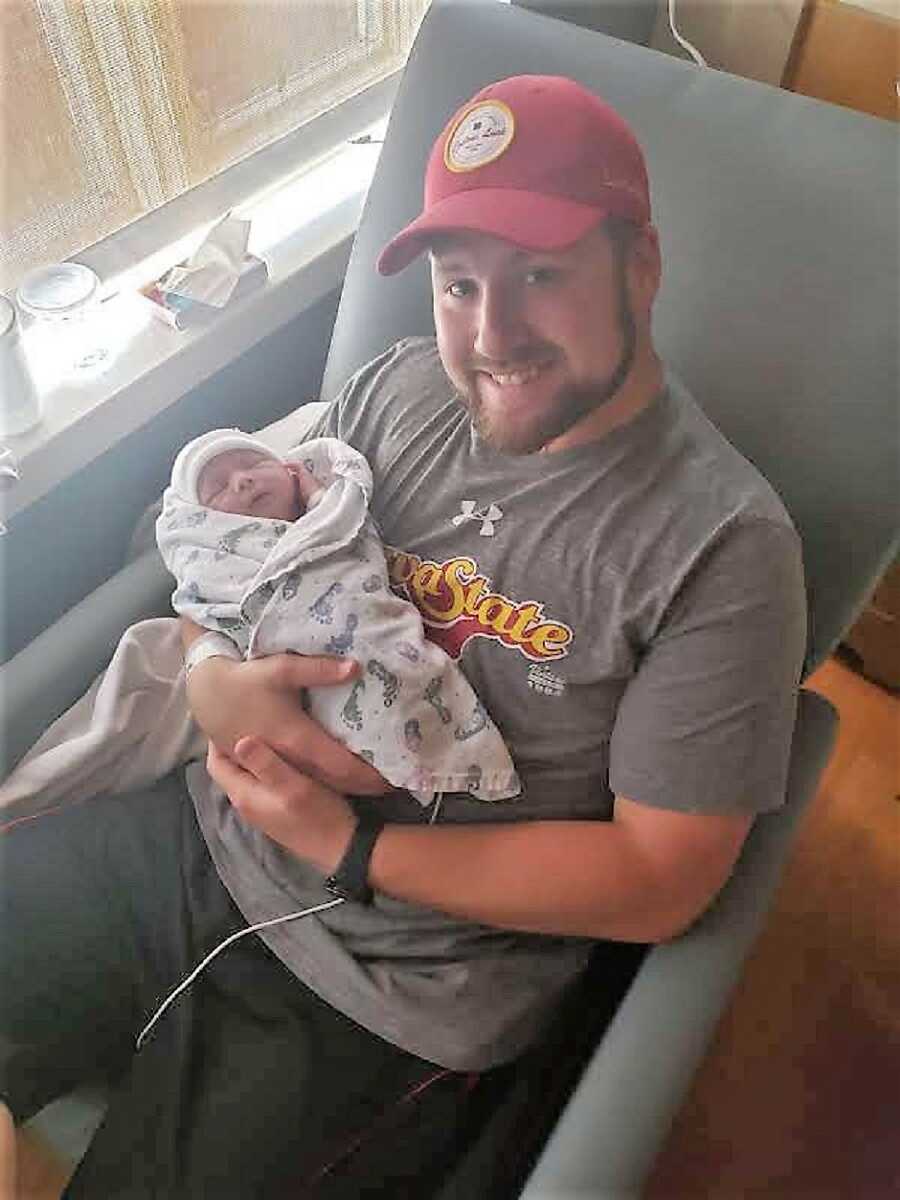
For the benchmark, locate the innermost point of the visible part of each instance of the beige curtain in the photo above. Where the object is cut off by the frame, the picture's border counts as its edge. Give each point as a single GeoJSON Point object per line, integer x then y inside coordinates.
{"type": "Point", "coordinates": [109, 108]}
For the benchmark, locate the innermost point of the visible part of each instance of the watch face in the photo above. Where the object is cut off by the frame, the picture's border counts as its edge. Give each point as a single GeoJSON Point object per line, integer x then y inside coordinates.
{"type": "Point", "coordinates": [344, 892]}
{"type": "Point", "coordinates": [336, 888]}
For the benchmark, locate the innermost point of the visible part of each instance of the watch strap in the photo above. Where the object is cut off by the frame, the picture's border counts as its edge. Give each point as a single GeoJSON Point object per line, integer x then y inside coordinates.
{"type": "Point", "coordinates": [350, 879]}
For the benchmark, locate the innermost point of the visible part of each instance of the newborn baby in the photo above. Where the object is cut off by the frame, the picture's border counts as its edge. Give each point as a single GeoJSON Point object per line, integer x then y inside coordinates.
{"type": "Point", "coordinates": [307, 573]}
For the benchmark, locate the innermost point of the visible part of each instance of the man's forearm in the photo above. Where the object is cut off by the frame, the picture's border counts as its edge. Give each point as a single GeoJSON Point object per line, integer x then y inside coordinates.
{"type": "Point", "coordinates": [643, 876]}
{"type": "Point", "coordinates": [581, 878]}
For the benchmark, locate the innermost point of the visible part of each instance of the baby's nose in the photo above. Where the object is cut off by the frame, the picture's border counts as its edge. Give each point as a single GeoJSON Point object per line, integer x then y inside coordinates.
{"type": "Point", "coordinates": [241, 481]}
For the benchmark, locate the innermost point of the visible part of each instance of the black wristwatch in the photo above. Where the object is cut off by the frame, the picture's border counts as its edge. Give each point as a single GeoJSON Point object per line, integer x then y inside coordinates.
{"type": "Point", "coordinates": [350, 880]}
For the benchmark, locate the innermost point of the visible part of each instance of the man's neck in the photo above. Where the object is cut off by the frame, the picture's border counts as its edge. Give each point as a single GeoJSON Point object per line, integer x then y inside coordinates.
{"type": "Point", "coordinates": [641, 387]}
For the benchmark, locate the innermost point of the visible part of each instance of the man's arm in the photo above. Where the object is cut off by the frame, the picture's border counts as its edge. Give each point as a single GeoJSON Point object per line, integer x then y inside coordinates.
{"type": "Point", "coordinates": [644, 876]}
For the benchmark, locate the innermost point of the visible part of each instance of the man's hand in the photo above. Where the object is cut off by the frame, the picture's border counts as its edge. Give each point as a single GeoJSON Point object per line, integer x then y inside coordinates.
{"type": "Point", "coordinates": [306, 817]}
{"type": "Point", "coordinates": [262, 698]}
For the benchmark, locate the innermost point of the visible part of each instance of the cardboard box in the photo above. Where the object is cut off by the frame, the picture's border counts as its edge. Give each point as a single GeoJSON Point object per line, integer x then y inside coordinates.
{"type": "Point", "coordinates": [875, 638]}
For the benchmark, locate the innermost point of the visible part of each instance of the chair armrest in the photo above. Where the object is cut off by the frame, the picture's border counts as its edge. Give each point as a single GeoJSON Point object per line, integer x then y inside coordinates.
{"type": "Point", "coordinates": [51, 672]}
{"type": "Point", "coordinates": [619, 1116]}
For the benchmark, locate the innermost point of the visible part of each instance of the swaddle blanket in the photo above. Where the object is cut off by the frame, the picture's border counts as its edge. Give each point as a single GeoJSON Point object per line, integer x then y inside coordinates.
{"type": "Point", "coordinates": [319, 586]}
{"type": "Point", "coordinates": [130, 728]}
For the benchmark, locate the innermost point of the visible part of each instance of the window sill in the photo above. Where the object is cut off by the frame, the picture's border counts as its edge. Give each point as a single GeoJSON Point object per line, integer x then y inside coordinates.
{"type": "Point", "coordinates": [154, 366]}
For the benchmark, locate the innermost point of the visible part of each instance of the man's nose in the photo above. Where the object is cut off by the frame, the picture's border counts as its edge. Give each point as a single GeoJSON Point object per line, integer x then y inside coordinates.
{"type": "Point", "coordinates": [501, 325]}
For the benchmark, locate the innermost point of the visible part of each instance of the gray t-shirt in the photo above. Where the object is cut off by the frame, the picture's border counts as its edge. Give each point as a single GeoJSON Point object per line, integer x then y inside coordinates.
{"type": "Point", "coordinates": [631, 613]}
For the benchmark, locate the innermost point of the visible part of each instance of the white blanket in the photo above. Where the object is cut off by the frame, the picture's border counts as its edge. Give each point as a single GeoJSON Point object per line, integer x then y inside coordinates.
{"type": "Point", "coordinates": [133, 723]}
{"type": "Point", "coordinates": [129, 728]}
{"type": "Point", "coordinates": [319, 587]}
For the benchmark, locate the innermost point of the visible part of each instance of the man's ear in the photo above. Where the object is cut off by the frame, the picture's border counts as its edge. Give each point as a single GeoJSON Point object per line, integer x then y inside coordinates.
{"type": "Point", "coordinates": [645, 267]}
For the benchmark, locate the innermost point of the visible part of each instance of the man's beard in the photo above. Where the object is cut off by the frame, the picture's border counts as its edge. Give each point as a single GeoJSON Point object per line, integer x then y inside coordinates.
{"type": "Point", "coordinates": [573, 403]}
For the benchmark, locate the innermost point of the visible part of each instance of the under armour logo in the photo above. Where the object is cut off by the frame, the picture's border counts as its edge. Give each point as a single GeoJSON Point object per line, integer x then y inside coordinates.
{"type": "Point", "coordinates": [487, 516]}
{"type": "Point", "coordinates": [548, 683]}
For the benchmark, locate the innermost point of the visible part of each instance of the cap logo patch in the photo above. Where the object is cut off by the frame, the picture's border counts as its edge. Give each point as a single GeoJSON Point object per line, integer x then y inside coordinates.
{"type": "Point", "coordinates": [480, 135]}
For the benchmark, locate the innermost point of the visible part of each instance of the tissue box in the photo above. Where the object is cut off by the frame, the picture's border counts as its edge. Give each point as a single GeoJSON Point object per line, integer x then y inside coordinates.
{"type": "Point", "coordinates": [179, 312]}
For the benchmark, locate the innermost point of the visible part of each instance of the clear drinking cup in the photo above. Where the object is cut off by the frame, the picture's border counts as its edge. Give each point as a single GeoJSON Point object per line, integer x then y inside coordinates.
{"type": "Point", "coordinates": [63, 302]}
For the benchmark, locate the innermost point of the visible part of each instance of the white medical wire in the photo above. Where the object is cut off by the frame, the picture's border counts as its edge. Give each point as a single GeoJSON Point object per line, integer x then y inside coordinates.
{"type": "Point", "coordinates": [186, 983]}
{"type": "Point", "coordinates": [692, 50]}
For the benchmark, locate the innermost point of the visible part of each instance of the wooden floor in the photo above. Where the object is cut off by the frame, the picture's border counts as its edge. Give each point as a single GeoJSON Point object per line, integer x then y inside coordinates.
{"type": "Point", "coordinates": [799, 1098]}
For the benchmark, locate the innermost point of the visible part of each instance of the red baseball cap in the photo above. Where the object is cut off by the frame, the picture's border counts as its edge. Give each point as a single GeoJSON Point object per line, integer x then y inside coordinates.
{"type": "Point", "coordinates": [537, 160]}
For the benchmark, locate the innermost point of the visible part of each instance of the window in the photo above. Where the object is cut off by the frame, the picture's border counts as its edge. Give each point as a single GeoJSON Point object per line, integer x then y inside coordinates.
{"type": "Point", "coordinates": [111, 109]}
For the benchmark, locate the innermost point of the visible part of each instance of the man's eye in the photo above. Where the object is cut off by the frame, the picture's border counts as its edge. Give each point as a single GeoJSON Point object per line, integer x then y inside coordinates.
{"type": "Point", "coordinates": [460, 288]}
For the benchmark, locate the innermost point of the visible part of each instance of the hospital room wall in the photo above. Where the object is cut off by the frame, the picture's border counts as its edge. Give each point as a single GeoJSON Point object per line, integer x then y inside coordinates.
{"type": "Point", "coordinates": [60, 548]}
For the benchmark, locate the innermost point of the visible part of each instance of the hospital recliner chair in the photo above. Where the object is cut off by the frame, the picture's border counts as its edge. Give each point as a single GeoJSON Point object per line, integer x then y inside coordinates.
{"type": "Point", "coordinates": [779, 309]}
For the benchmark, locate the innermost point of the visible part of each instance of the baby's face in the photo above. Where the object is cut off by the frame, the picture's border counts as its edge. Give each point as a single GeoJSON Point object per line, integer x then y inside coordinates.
{"type": "Point", "coordinates": [246, 482]}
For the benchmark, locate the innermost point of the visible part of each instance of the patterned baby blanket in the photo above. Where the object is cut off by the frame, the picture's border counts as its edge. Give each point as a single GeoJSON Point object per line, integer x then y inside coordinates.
{"type": "Point", "coordinates": [319, 585]}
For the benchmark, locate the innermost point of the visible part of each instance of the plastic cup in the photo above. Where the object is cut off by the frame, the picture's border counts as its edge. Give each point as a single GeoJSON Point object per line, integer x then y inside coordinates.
{"type": "Point", "coordinates": [64, 300]}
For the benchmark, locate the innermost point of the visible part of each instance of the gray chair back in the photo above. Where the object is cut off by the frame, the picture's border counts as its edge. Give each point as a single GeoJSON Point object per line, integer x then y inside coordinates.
{"type": "Point", "coordinates": [631, 20]}
{"type": "Point", "coordinates": [778, 222]}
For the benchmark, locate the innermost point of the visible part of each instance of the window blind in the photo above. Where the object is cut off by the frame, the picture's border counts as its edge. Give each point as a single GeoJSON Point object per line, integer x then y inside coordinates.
{"type": "Point", "coordinates": [110, 108]}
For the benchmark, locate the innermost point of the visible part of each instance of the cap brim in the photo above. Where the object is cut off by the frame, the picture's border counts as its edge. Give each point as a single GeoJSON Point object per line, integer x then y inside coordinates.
{"type": "Point", "coordinates": [528, 219]}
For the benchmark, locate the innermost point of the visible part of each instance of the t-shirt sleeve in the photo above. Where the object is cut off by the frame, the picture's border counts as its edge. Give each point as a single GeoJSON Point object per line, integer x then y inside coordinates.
{"type": "Point", "coordinates": [326, 424]}
{"type": "Point", "coordinates": [345, 417]}
{"type": "Point", "coordinates": [705, 724]}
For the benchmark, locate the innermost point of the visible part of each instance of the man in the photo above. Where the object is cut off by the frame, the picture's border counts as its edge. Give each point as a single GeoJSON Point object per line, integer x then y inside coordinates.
{"type": "Point", "coordinates": [625, 594]}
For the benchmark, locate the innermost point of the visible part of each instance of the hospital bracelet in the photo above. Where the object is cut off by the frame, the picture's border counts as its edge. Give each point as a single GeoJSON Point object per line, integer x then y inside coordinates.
{"type": "Point", "coordinates": [210, 645]}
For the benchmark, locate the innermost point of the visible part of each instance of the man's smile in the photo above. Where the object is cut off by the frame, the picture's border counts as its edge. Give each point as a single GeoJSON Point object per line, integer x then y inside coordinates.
{"type": "Point", "coordinates": [516, 382]}
{"type": "Point", "coordinates": [515, 373]}
{"type": "Point", "coordinates": [518, 376]}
